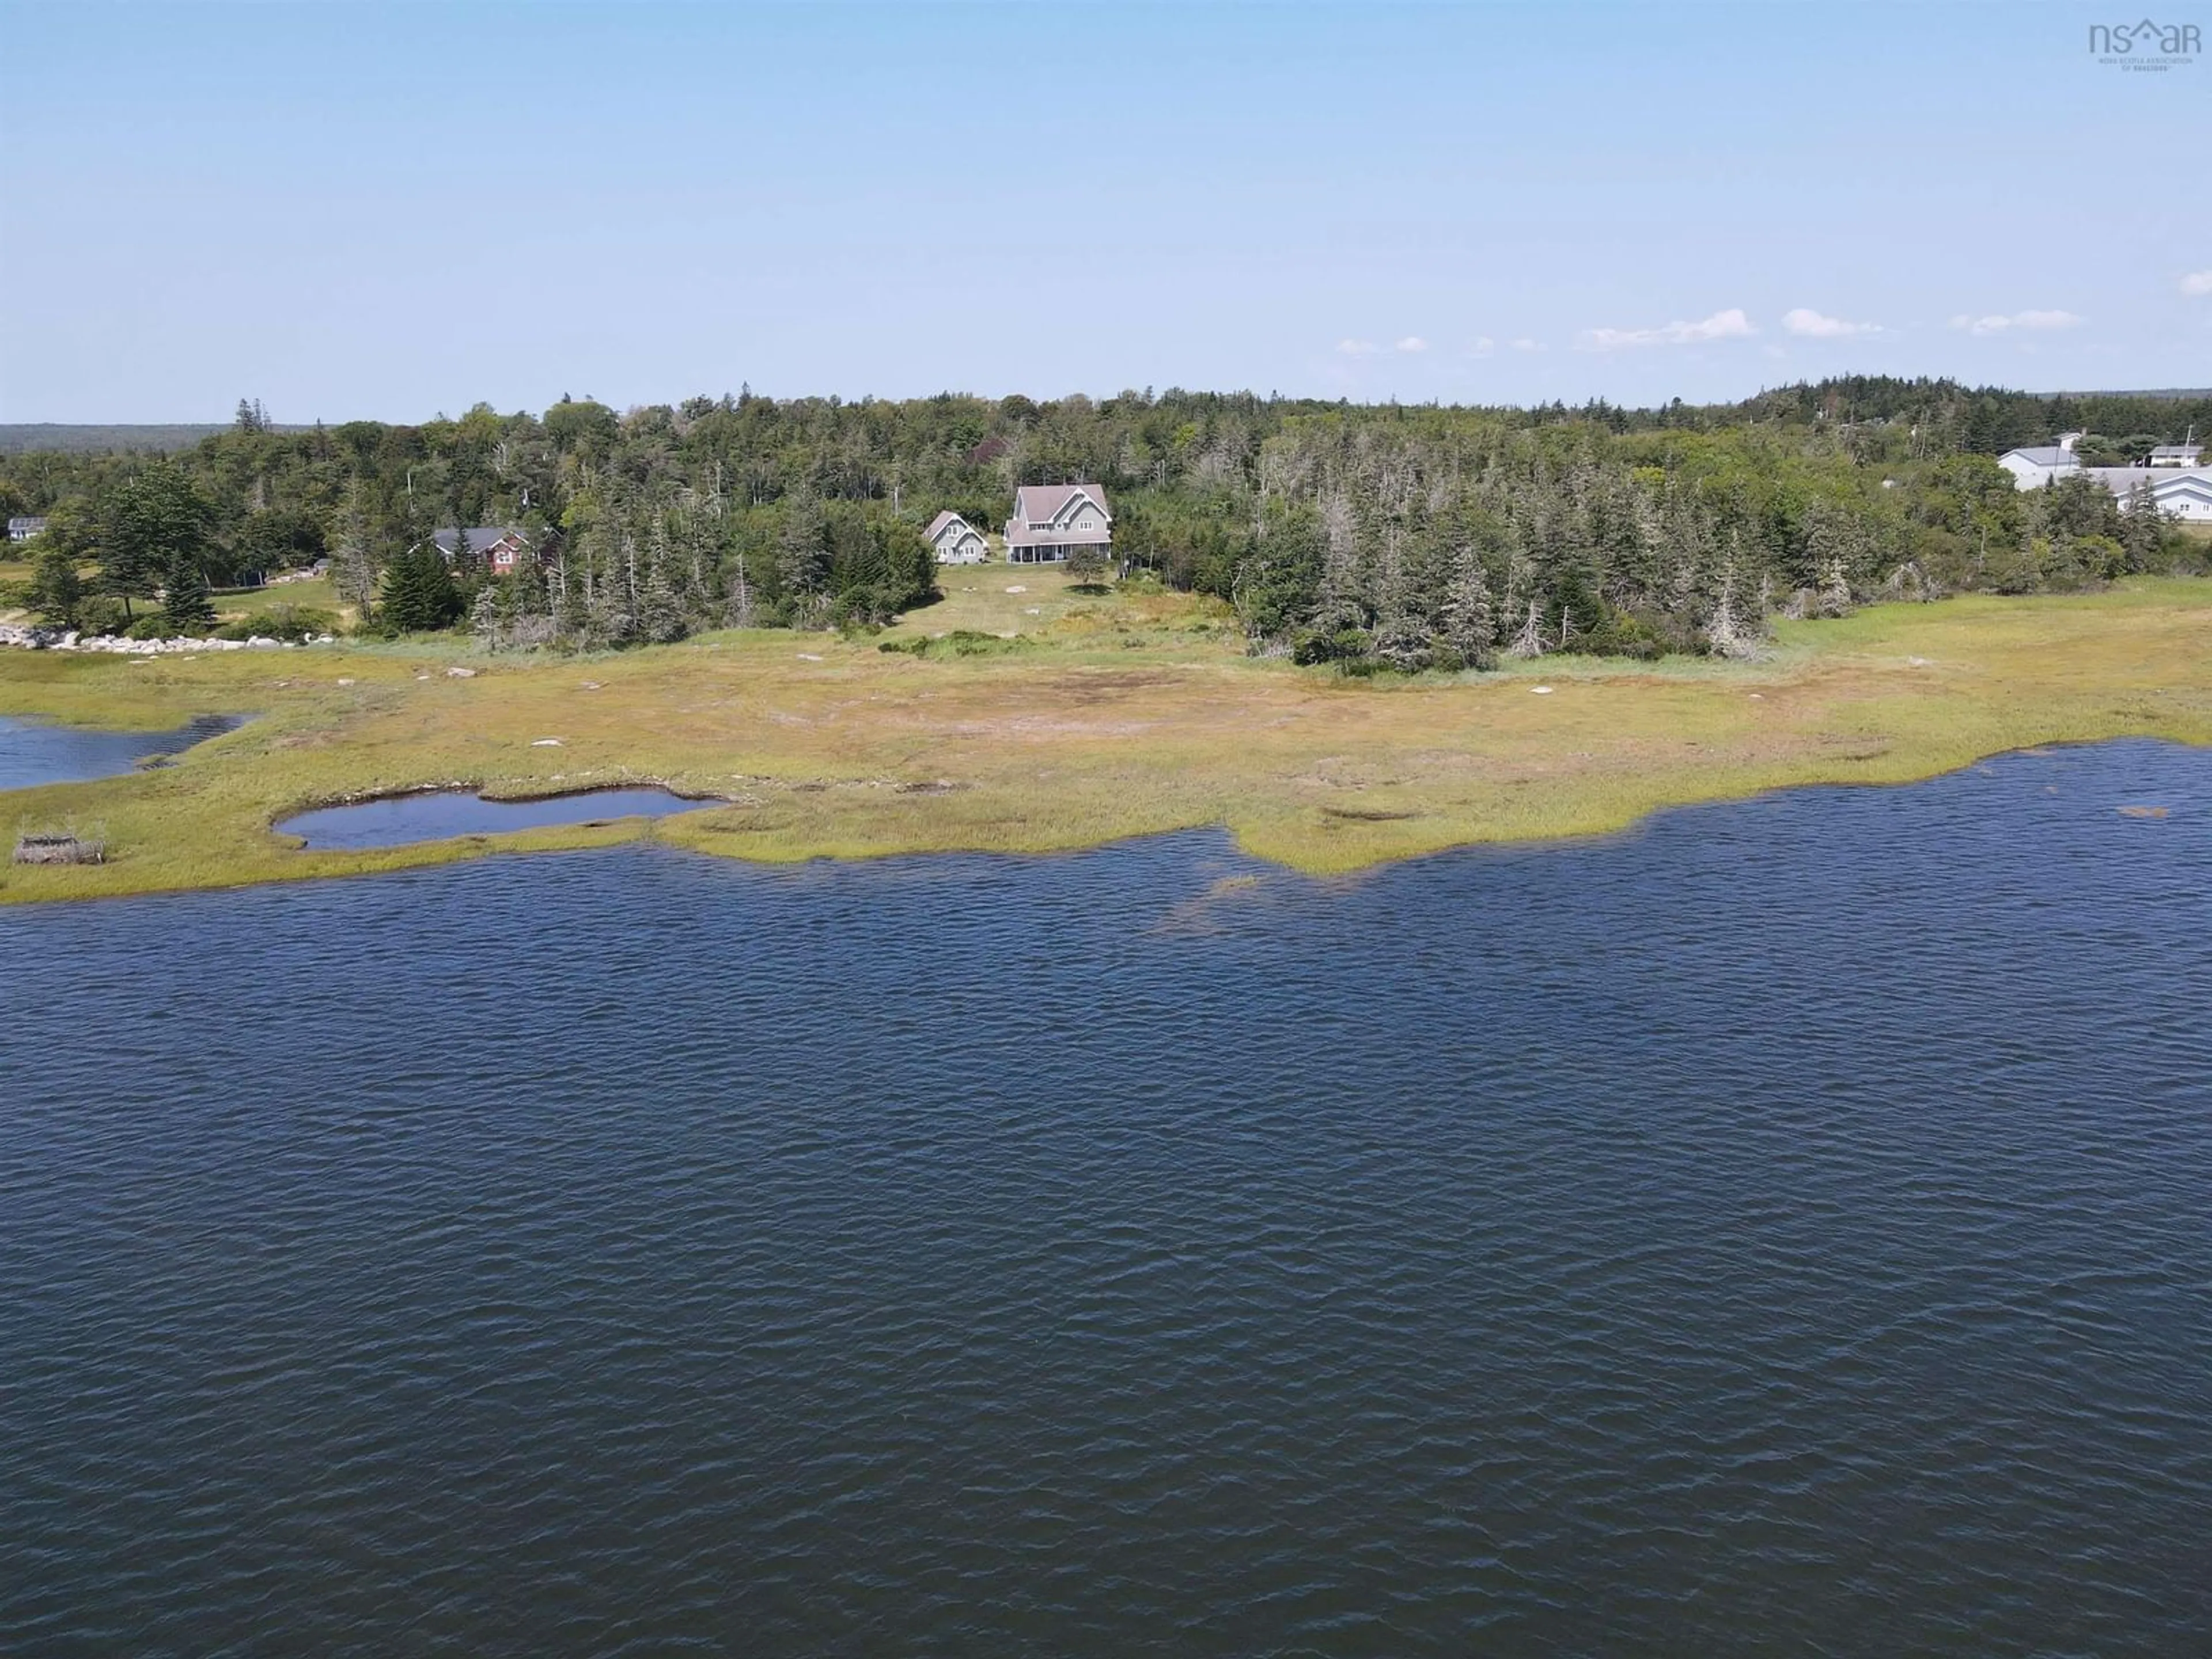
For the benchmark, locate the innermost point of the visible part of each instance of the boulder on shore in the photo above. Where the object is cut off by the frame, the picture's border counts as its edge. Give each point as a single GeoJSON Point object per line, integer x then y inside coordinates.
{"type": "Point", "coordinates": [33, 638]}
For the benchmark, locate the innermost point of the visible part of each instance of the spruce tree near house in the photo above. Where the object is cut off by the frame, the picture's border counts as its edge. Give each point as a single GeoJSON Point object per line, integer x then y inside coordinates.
{"type": "Point", "coordinates": [443, 603]}
{"type": "Point", "coordinates": [399, 604]}
{"type": "Point", "coordinates": [467, 568]}
{"type": "Point", "coordinates": [419, 595]}
{"type": "Point", "coordinates": [185, 607]}
{"type": "Point", "coordinates": [526, 592]}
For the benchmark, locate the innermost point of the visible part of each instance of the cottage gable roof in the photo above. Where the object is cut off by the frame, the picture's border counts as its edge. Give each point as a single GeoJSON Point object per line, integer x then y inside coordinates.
{"type": "Point", "coordinates": [2049, 455]}
{"type": "Point", "coordinates": [945, 521]}
{"type": "Point", "coordinates": [1048, 503]}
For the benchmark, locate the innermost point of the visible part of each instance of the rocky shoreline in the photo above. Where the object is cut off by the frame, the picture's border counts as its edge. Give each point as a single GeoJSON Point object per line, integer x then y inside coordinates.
{"type": "Point", "coordinates": [56, 639]}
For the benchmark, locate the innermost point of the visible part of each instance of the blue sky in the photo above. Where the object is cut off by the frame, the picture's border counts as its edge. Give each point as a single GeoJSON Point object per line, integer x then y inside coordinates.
{"type": "Point", "coordinates": [358, 210]}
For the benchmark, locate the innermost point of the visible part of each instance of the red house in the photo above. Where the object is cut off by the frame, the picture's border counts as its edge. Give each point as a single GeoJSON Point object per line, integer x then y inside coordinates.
{"type": "Point", "coordinates": [502, 549]}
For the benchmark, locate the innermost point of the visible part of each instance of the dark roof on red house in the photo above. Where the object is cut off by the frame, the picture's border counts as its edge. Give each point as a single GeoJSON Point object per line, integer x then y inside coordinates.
{"type": "Point", "coordinates": [481, 538]}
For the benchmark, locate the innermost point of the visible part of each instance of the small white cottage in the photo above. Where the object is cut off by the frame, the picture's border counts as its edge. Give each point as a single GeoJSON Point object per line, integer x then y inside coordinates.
{"type": "Point", "coordinates": [956, 541]}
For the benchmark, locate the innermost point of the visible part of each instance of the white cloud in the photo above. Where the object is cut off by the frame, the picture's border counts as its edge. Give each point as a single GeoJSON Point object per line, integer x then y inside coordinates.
{"type": "Point", "coordinates": [1730, 325]}
{"type": "Point", "coordinates": [2018, 320]}
{"type": "Point", "coordinates": [1355, 348]}
{"type": "Point", "coordinates": [1526, 344]}
{"type": "Point", "coordinates": [1814, 327]}
{"type": "Point", "coordinates": [1483, 346]}
{"type": "Point", "coordinates": [2198, 284]}
{"type": "Point", "coordinates": [1412, 342]}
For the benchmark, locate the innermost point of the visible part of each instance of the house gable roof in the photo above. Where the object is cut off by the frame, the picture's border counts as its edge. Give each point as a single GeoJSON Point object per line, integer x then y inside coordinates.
{"type": "Point", "coordinates": [481, 538]}
{"type": "Point", "coordinates": [2049, 455]}
{"type": "Point", "coordinates": [1046, 503]}
{"type": "Point", "coordinates": [945, 521]}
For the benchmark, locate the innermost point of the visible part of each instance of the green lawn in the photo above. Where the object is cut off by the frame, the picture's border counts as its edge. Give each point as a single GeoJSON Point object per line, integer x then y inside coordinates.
{"type": "Point", "coordinates": [314, 594]}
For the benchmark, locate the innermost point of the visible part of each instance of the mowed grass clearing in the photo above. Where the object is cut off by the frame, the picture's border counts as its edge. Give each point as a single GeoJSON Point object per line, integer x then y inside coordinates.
{"type": "Point", "coordinates": [1122, 715]}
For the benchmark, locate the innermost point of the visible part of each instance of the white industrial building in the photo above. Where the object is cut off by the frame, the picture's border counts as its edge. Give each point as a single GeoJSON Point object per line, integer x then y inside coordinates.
{"type": "Point", "coordinates": [2178, 486]}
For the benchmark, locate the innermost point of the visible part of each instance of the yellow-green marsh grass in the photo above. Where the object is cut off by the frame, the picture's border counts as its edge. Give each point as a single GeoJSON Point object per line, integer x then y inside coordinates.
{"type": "Point", "coordinates": [1121, 715]}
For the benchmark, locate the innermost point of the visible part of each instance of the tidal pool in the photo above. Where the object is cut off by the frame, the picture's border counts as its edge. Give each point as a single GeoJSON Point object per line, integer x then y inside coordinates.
{"type": "Point", "coordinates": [441, 814]}
{"type": "Point", "coordinates": [32, 752]}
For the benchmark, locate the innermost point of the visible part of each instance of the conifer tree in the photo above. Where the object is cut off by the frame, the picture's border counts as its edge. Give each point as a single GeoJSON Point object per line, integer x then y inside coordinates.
{"type": "Point", "coordinates": [185, 606]}
{"type": "Point", "coordinates": [1402, 633]}
{"type": "Point", "coordinates": [400, 598]}
{"type": "Point", "coordinates": [2142, 529]}
{"type": "Point", "coordinates": [56, 589]}
{"type": "Point", "coordinates": [802, 547]}
{"type": "Point", "coordinates": [353, 569]}
{"type": "Point", "coordinates": [156, 522]}
{"type": "Point", "coordinates": [661, 618]}
{"type": "Point", "coordinates": [486, 621]}
{"type": "Point", "coordinates": [419, 595]}
{"type": "Point", "coordinates": [1341, 605]}
{"type": "Point", "coordinates": [526, 587]}
{"type": "Point", "coordinates": [1470, 624]}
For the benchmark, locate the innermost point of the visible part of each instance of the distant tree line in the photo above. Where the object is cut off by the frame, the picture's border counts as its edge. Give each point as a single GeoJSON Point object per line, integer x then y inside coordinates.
{"type": "Point", "coordinates": [1369, 536]}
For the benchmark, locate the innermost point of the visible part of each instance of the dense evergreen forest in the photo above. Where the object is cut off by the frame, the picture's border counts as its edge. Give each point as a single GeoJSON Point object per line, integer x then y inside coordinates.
{"type": "Point", "coordinates": [1374, 536]}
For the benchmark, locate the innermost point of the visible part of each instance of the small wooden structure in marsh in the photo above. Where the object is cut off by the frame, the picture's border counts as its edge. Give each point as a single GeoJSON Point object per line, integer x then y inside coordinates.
{"type": "Point", "coordinates": [59, 846]}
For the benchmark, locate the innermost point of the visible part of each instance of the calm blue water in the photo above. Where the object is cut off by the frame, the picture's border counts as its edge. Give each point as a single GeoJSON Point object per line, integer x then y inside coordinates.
{"type": "Point", "coordinates": [34, 753]}
{"type": "Point", "coordinates": [1787, 1230]}
{"type": "Point", "coordinates": [440, 814]}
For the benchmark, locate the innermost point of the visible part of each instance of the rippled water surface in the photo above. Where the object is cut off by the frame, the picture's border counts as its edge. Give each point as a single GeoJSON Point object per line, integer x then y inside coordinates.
{"type": "Point", "coordinates": [32, 752]}
{"type": "Point", "coordinates": [1785, 1229]}
{"type": "Point", "coordinates": [441, 814]}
